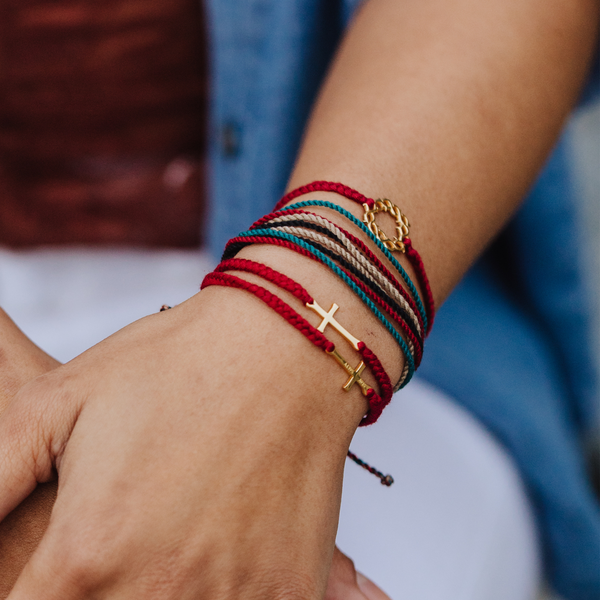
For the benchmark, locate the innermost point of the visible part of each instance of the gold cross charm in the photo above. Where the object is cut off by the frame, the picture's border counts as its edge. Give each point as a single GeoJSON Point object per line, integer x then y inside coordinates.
{"type": "Point", "coordinates": [355, 374]}
{"type": "Point", "coordinates": [329, 320]}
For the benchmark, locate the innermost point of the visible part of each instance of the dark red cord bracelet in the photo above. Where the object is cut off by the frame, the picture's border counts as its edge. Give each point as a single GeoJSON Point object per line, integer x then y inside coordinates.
{"type": "Point", "coordinates": [286, 283]}
{"type": "Point", "coordinates": [343, 190]}
{"type": "Point", "coordinates": [376, 402]}
{"type": "Point", "coordinates": [367, 291]}
{"type": "Point", "coordinates": [325, 186]}
{"type": "Point", "coordinates": [364, 249]}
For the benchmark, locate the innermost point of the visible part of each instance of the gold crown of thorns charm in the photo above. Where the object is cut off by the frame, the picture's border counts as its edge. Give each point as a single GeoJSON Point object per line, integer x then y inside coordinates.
{"type": "Point", "coordinates": [402, 225]}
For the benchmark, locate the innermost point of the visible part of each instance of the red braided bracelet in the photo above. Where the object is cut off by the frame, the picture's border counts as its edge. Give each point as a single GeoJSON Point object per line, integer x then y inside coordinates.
{"type": "Point", "coordinates": [367, 291]}
{"type": "Point", "coordinates": [284, 282]}
{"type": "Point", "coordinates": [343, 190]}
{"type": "Point", "coordinates": [364, 249]}
{"type": "Point", "coordinates": [325, 186]}
{"type": "Point", "coordinates": [376, 402]}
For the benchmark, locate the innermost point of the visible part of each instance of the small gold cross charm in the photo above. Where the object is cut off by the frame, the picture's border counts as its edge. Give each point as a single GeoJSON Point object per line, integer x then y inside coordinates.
{"type": "Point", "coordinates": [329, 320]}
{"type": "Point", "coordinates": [355, 374]}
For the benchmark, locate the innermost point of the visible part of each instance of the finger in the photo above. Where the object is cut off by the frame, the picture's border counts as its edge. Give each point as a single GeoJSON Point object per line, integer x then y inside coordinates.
{"type": "Point", "coordinates": [20, 360]}
{"type": "Point", "coordinates": [21, 531]}
{"type": "Point", "coordinates": [33, 432]}
{"type": "Point", "coordinates": [345, 583]}
{"type": "Point", "coordinates": [342, 579]}
{"type": "Point", "coordinates": [51, 574]}
{"type": "Point", "coordinates": [369, 589]}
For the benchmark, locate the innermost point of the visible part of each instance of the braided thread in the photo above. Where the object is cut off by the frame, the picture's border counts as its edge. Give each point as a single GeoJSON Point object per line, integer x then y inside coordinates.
{"type": "Point", "coordinates": [414, 343]}
{"type": "Point", "coordinates": [356, 241]}
{"type": "Point", "coordinates": [279, 279]}
{"type": "Point", "coordinates": [276, 303]}
{"type": "Point", "coordinates": [366, 259]}
{"type": "Point", "coordinates": [386, 480]}
{"type": "Point", "coordinates": [365, 299]}
{"type": "Point", "coordinates": [376, 402]}
{"type": "Point", "coordinates": [417, 262]}
{"type": "Point", "coordinates": [351, 194]}
{"type": "Point", "coordinates": [376, 408]}
{"type": "Point", "coordinates": [325, 186]}
{"type": "Point", "coordinates": [407, 280]}
{"type": "Point", "coordinates": [374, 281]}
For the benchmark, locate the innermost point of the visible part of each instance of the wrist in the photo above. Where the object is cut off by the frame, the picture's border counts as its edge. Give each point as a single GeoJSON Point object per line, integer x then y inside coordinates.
{"type": "Point", "coordinates": [261, 370]}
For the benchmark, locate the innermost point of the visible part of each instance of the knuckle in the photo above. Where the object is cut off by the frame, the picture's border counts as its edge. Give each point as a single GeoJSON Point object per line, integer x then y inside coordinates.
{"type": "Point", "coordinates": [83, 566]}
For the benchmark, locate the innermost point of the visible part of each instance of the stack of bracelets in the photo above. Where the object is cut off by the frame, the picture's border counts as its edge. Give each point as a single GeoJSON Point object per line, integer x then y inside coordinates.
{"type": "Point", "coordinates": [317, 238]}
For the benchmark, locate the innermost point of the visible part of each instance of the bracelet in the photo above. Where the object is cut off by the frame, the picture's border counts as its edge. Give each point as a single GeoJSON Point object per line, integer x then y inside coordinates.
{"type": "Point", "coordinates": [267, 235]}
{"type": "Point", "coordinates": [370, 281]}
{"type": "Point", "coordinates": [397, 266]}
{"type": "Point", "coordinates": [376, 402]}
{"type": "Point", "coordinates": [371, 207]}
{"type": "Point", "coordinates": [360, 253]}
{"type": "Point", "coordinates": [315, 237]}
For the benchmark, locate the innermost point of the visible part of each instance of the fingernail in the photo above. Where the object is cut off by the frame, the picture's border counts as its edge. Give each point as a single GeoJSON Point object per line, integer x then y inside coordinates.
{"type": "Point", "coordinates": [369, 589]}
{"type": "Point", "coordinates": [363, 582]}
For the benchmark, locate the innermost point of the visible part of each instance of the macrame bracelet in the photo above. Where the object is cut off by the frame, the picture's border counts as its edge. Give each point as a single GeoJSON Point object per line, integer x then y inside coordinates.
{"type": "Point", "coordinates": [361, 255]}
{"type": "Point", "coordinates": [238, 243]}
{"type": "Point", "coordinates": [403, 315]}
{"type": "Point", "coordinates": [325, 186]}
{"type": "Point", "coordinates": [386, 480]}
{"type": "Point", "coordinates": [288, 284]}
{"type": "Point", "coordinates": [371, 207]}
{"type": "Point", "coordinates": [397, 266]}
{"type": "Point", "coordinates": [376, 402]}
{"type": "Point", "coordinates": [264, 235]}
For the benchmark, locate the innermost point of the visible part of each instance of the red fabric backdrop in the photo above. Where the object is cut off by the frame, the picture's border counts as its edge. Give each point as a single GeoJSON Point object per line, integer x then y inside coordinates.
{"type": "Point", "coordinates": [102, 122]}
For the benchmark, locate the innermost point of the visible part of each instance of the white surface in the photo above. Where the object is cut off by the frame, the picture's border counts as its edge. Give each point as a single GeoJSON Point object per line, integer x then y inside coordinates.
{"type": "Point", "coordinates": [456, 524]}
{"type": "Point", "coordinates": [68, 300]}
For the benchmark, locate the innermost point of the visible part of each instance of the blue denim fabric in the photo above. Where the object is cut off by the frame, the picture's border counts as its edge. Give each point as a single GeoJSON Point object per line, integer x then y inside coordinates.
{"type": "Point", "coordinates": [523, 367]}
{"type": "Point", "coordinates": [501, 363]}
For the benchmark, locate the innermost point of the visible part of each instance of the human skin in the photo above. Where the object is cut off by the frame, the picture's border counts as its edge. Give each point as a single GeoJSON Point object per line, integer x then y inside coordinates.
{"type": "Point", "coordinates": [22, 361]}
{"type": "Point", "coordinates": [200, 451]}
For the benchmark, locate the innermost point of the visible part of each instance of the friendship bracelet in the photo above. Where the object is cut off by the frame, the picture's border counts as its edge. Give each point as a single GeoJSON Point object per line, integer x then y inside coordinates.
{"type": "Point", "coordinates": [256, 235]}
{"type": "Point", "coordinates": [368, 285]}
{"type": "Point", "coordinates": [325, 186]}
{"type": "Point", "coordinates": [369, 357]}
{"type": "Point", "coordinates": [236, 244]}
{"type": "Point", "coordinates": [376, 402]}
{"type": "Point", "coordinates": [409, 284]}
{"type": "Point", "coordinates": [288, 284]}
{"type": "Point", "coordinates": [372, 207]}
{"type": "Point", "coordinates": [366, 258]}
{"type": "Point", "coordinates": [409, 365]}
{"type": "Point", "coordinates": [322, 240]}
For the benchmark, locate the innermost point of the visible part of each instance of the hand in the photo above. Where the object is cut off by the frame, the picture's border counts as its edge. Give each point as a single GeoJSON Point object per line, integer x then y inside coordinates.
{"type": "Point", "coordinates": [20, 362]}
{"type": "Point", "coordinates": [345, 583]}
{"type": "Point", "coordinates": [169, 492]}
{"type": "Point", "coordinates": [22, 530]}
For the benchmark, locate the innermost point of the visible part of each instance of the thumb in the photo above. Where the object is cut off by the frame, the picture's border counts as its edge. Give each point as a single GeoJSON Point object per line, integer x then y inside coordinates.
{"type": "Point", "coordinates": [34, 431]}
{"type": "Point", "coordinates": [369, 589]}
{"type": "Point", "coordinates": [345, 583]}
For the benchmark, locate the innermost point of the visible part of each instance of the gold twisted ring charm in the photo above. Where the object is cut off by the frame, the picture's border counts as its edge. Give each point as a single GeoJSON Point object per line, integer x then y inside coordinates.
{"type": "Point", "coordinates": [402, 224]}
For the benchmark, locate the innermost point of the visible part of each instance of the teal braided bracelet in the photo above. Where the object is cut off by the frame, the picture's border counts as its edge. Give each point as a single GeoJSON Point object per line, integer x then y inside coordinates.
{"type": "Point", "coordinates": [375, 239]}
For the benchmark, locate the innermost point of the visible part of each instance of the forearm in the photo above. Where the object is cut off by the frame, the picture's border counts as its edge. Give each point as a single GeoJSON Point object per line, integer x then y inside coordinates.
{"type": "Point", "coordinates": [201, 449]}
{"type": "Point", "coordinates": [449, 109]}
